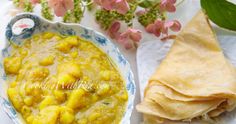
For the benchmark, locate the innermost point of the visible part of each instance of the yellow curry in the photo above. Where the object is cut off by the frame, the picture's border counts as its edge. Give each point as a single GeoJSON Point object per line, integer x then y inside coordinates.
{"type": "Point", "coordinates": [55, 79]}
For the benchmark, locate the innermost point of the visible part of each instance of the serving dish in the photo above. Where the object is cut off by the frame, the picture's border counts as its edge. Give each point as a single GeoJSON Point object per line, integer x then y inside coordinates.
{"type": "Point", "coordinates": [25, 25]}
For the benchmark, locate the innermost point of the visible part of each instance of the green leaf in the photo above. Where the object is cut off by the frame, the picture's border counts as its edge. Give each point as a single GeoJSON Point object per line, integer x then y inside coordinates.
{"type": "Point", "coordinates": [221, 12]}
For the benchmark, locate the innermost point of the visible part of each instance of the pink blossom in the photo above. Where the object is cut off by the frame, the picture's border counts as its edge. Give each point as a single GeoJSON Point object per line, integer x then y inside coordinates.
{"type": "Point", "coordinates": [60, 7]}
{"type": "Point", "coordinates": [168, 5]}
{"type": "Point", "coordinates": [114, 30]}
{"type": "Point", "coordinates": [133, 34]}
{"type": "Point", "coordinates": [35, 1]}
{"type": "Point", "coordinates": [129, 35]}
{"type": "Point", "coordinates": [161, 27]}
{"type": "Point", "coordinates": [121, 6]}
{"type": "Point", "coordinates": [127, 38]}
{"type": "Point", "coordinates": [173, 25]}
{"type": "Point", "coordinates": [155, 28]}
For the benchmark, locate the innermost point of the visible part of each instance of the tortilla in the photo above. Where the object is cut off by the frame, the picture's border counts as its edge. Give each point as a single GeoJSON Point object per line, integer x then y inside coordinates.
{"type": "Point", "coordinates": [194, 80]}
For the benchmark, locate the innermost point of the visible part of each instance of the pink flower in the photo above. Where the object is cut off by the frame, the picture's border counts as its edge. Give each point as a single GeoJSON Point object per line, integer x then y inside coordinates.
{"type": "Point", "coordinates": [35, 1]}
{"type": "Point", "coordinates": [114, 30]}
{"type": "Point", "coordinates": [155, 28]}
{"type": "Point", "coordinates": [160, 27]}
{"type": "Point", "coordinates": [127, 38]}
{"type": "Point", "coordinates": [60, 7]}
{"type": "Point", "coordinates": [168, 5]}
{"type": "Point", "coordinates": [133, 34]}
{"type": "Point", "coordinates": [173, 25]}
{"type": "Point", "coordinates": [121, 6]}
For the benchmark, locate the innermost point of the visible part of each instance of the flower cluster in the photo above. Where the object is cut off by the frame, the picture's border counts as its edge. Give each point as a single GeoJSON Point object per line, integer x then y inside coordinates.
{"type": "Point", "coordinates": [155, 22]}
{"type": "Point", "coordinates": [110, 14]}
{"type": "Point", "coordinates": [119, 10]}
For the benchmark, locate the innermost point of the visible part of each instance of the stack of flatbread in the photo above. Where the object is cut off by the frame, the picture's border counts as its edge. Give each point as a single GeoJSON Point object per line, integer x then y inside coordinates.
{"type": "Point", "coordinates": [194, 80]}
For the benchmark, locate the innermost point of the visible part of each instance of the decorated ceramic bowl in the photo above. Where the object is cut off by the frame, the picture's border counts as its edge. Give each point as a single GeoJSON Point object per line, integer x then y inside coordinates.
{"type": "Point", "coordinates": [25, 25]}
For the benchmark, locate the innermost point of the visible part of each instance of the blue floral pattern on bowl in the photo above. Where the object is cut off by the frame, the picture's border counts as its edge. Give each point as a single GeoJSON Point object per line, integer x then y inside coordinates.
{"type": "Point", "coordinates": [25, 25]}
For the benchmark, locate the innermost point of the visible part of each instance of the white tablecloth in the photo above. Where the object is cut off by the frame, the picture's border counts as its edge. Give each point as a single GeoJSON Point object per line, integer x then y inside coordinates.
{"type": "Point", "coordinates": [130, 55]}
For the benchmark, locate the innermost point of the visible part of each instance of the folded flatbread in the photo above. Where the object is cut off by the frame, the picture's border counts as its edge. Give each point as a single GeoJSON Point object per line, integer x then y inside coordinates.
{"type": "Point", "coordinates": [195, 79]}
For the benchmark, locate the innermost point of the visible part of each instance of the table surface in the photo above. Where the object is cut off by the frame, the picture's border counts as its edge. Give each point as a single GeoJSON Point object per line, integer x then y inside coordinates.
{"type": "Point", "coordinates": [130, 55]}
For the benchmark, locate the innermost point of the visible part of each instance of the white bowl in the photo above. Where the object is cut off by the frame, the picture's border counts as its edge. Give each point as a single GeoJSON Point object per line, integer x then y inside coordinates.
{"type": "Point", "coordinates": [25, 25]}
